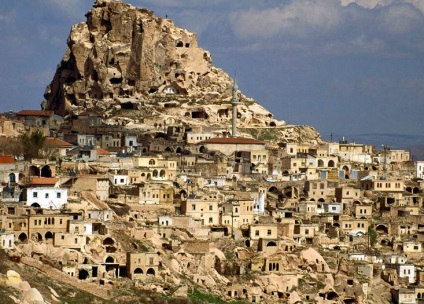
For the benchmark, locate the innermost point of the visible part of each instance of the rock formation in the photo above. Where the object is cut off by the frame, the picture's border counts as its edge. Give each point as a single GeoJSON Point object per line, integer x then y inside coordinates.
{"type": "Point", "coordinates": [125, 57]}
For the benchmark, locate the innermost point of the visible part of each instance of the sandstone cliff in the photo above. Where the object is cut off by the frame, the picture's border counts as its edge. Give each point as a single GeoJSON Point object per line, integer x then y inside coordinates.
{"type": "Point", "coordinates": [126, 58]}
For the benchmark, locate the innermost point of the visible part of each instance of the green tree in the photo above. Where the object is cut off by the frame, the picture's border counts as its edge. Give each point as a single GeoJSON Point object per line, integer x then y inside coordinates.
{"type": "Point", "coordinates": [32, 144]}
{"type": "Point", "coordinates": [372, 236]}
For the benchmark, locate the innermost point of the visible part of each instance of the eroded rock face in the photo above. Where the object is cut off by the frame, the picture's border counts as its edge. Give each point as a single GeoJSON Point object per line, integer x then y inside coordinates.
{"type": "Point", "coordinates": [125, 57]}
{"type": "Point", "coordinates": [123, 51]}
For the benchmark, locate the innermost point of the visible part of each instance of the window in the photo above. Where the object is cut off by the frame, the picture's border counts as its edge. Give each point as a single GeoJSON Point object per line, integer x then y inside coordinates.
{"type": "Point", "coordinates": [62, 237]}
{"type": "Point", "coordinates": [58, 195]}
{"type": "Point", "coordinates": [210, 207]}
{"type": "Point", "coordinates": [76, 241]}
{"type": "Point", "coordinates": [34, 194]}
{"type": "Point", "coordinates": [306, 231]}
{"type": "Point", "coordinates": [47, 195]}
{"type": "Point", "coordinates": [210, 220]}
{"type": "Point", "coordinates": [256, 232]}
{"type": "Point", "coordinates": [193, 207]}
{"type": "Point", "coordinates": [60, 221]}
{"type": "Point", "coordinates": [269, 232]}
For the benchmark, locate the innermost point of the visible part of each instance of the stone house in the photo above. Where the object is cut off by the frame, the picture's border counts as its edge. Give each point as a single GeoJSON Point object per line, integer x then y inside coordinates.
{"type": "Point", "coordinates": [354, 226]}
{"type": "Point", "coordinates": [403, 295]}
{"type": "Point", "coordinates": [419, 171]}
{"type": "Point", "coordinates": [7, 240]}
{"type": "Point", "coordinates": [386, 186]}
{"type": "Point", "coordinates": [205, 210]}
{"type": "Point", "coordinates": [45, 197]}
{"type": "Point", "coordinates": [120, 180]}
{"type": "Point", "coordinates": [196, 137]}
{"type": "Point", "coordinates": [355, 152]}
{"type": "Point", "coordinates": [397, 156]}
{"type": "Point", "coordinates": [154, 168]}
{"type": "Point", "coordinates": [347, 194]}
{"type": "Point", "coordinates": [97, 184]}
{"type": "Point", "coordinates": [264, 231]}
{"type": "Point", "coordinates": [142, 265]}
{"type": "Point", "coordinates": [319, 190]}
{"type": "Point", "coordinates": [155, 193]}
{"type": "Point", "coordinates": [11, 127]}
{"type": "Point", "coordinates": [412, 247]}
{"type": "Point", "coordinates": [69, 240]}
{"type": "Point", "coordinates": [56, 147]}
{"type": "Point", "coordinates": [230, 145]}
{"type": "Point", "coordinates": [37, 226]}
{"type": "Point", "coordinates": [41, 118]}
{"type": "Point", "coordinates": [236, 213]}
{"type": "Point", "coordinates": [362, 210]}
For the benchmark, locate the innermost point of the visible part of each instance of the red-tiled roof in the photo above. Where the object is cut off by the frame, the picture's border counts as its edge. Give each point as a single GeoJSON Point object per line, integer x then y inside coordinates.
{"type": "Point", "coordinates": [101, 151]}
{"type": "Point", "coordinates": [56, 142]}
{"type": "Point", "coordinates": [44, 181]}
{"type": "Point", "coordinates": [7, 159]}
{"type": "Point", "coordinates": [34, 113]}
{"type": "Point", "coordinates": [233, 141]}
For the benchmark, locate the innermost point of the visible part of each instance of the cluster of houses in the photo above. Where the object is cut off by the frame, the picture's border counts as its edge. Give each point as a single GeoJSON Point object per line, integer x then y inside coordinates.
{"type": "Point", "coordinates": [184, 189]}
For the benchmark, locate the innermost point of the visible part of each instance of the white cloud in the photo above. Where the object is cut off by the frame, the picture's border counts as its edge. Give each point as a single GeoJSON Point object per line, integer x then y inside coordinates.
{"type": "Point", "coordinates": [295, 18]}
{"type": "Point", "coordinates": [399, 19]}
{"type": "Point", "coordinates": [371, 4]}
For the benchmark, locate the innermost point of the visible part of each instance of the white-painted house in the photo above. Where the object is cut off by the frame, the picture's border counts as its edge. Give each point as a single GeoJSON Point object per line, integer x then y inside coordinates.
{"type": "Point", "coordinates": [47, 197]}
{"type": "Point", "coordinates": [7, 240]}
{"type": "Point", "coordinates": [120, 180]}
{"type": "Point", "coordinates": [407, 270]}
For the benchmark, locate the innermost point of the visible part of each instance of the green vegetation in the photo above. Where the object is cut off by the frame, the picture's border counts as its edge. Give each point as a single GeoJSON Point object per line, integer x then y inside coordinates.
{"type": "Point", "coordinates": [268, 134]}
{"type": "Point", "coordinates": [197, 296]}
{"type": "Point", "coordinates": [372, 235]}
{"type": "Point", "coordinates": [29, 146]}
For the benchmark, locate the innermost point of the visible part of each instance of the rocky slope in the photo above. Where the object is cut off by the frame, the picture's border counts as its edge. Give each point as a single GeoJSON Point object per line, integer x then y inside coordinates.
{"type": "Point", "coordinates": [126, 58]}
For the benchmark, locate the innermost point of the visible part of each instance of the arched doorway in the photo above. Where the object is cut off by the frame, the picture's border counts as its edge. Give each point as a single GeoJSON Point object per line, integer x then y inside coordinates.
{"type": "Point", "coordinates": [331, 163]}
{"type": "Point", "coordinates": [33, 171]}
{"type": "Point", "coordinates": [138, 271]}
{"type": "Point", "coordinates": [108, 241]}
{"type": "Point", "coordinates": [22, 237]}
{"type": "Point", "coordinates": [320, 163]}
{"type": "Point", "coordinates": [109, 259]}
{"type": "Point", "coordinates": [48, 235]}
{"type": "Point", "coordinates": [83, 274]}
{"type": "Point", "coordinates": [46, 171]}
{"type": "Point", "coordinates": [151, 272]}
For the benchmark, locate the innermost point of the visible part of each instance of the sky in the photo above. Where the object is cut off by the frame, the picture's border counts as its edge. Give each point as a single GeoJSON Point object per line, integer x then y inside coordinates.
{"type": "Point", "coordinates": [341, 66]}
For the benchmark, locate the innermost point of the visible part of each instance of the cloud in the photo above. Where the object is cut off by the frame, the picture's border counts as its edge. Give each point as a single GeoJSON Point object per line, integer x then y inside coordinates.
{"type": "Point", "coordinates": [297, 18]}
{"type": "Point", "coordinates": [371, 4]}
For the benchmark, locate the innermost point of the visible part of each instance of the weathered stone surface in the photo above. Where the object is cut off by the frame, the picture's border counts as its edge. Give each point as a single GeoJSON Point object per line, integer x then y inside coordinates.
{"type": "Point", "coordinates": [13, 278]}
